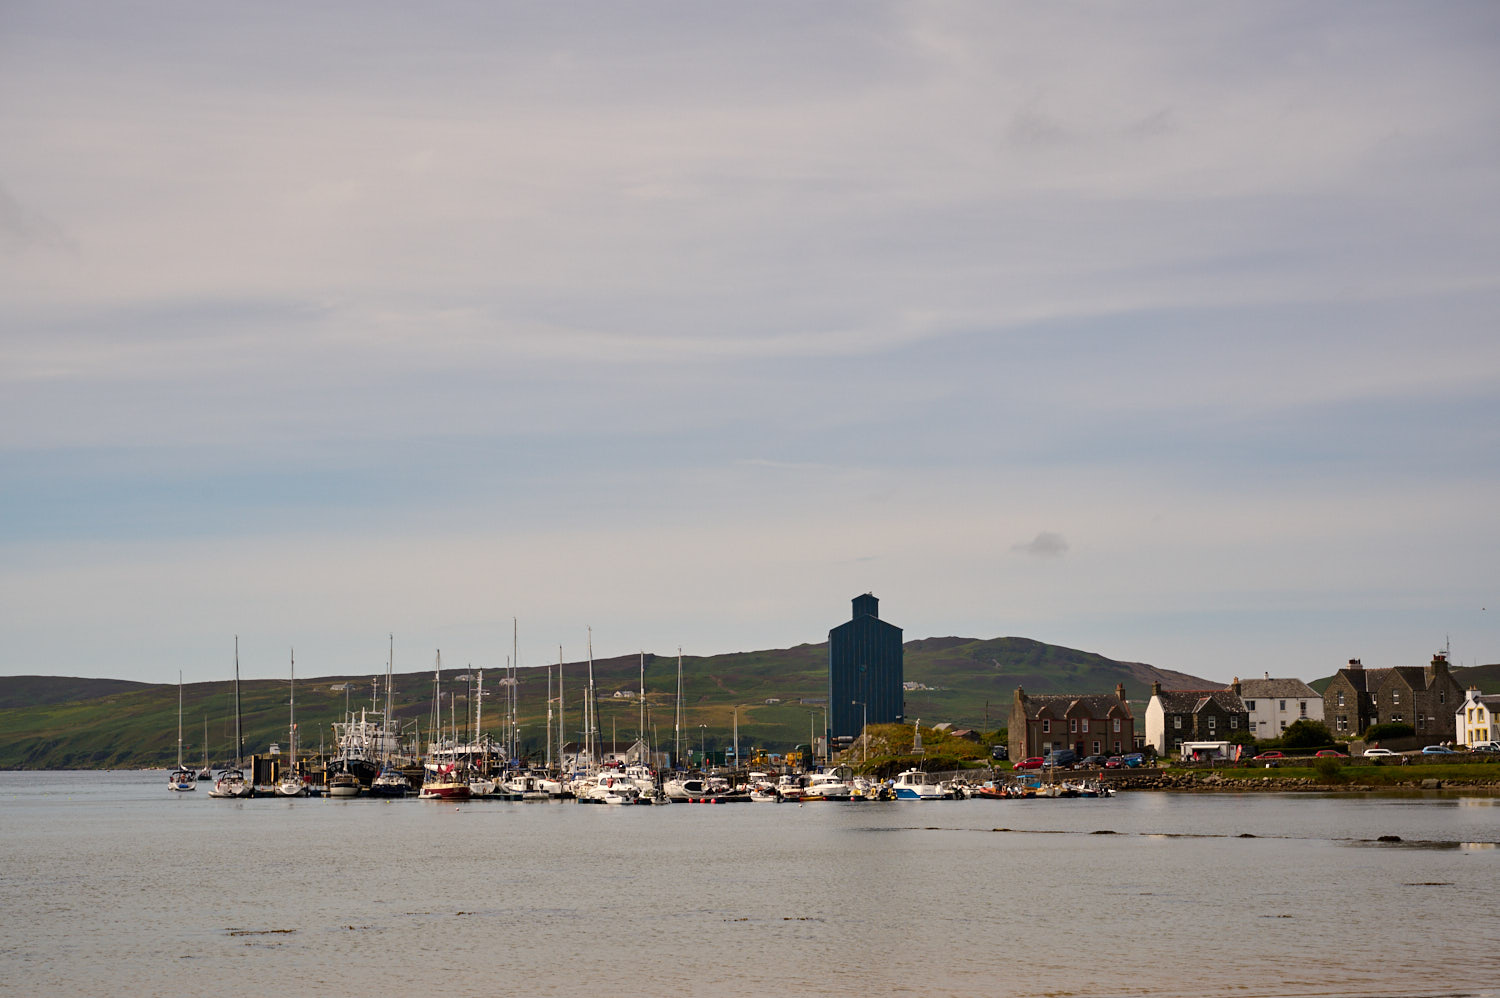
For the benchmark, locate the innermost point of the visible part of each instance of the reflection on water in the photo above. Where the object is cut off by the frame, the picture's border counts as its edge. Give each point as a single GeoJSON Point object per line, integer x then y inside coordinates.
{"type": "Point", "coordinates": [114, 885]}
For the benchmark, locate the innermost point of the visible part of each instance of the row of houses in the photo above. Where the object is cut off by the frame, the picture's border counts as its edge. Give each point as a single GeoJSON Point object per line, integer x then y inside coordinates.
{"type": "Point", "coordinates": [1428, 698]}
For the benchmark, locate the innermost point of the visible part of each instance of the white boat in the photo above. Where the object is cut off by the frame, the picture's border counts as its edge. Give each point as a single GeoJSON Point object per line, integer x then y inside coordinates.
{"type": "Point", "coordinates": [231, 783]}
{"type": "Point", "coordinates": [789, 788]}
{"type": "Point", "coordinates": [690, 788]}
{"type": "Point", "coordinates": [343, 783]}
{"type": "Point", "coordinates": [529, 786]}
{"type": "Point", "coordinates": [827, 786]}
{"type": "Point", "coordinates": [182, 778]}
{"type": "Point", "coordinates": [291, 783]}
{"type": "Point", "coordinates": [608, 788]}
{"type": "Point", "coordinates": [917, 785]}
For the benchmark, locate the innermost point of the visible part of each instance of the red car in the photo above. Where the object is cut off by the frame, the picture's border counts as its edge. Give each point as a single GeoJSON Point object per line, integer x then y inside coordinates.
{"type": "Point", "coordinates": [1329, 753]}
{"type": "Point", "coordinates": [1270, 755]}
{"type": "Point", "coordinates": [1035, 762]}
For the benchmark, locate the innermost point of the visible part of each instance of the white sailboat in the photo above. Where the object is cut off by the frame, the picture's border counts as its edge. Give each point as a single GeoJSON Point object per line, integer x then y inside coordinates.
{"type": "Point", "coordinates": [232, 783]}
{"type": "Point", "coordinates": [182, 778]}
{"type": "Point", "coordinates": [291, 783]}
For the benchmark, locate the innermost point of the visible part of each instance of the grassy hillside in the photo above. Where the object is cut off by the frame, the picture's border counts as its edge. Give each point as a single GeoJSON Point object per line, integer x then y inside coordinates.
{"type": "Point", "coordinates": [76, 723]}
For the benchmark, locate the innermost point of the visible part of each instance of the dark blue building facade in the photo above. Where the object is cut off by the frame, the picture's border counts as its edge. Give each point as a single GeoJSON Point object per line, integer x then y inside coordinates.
{"type": "Point", "coordinates": [865, 666]}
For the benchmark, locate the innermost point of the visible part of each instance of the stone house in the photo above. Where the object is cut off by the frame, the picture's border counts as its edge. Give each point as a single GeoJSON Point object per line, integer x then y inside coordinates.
{"type": "Point", "coordinates": [1274, 704]}
{"type": "Point", "coordinates": [1427, 698]}
{"type": "Point", "coordinates": [1477, 719]}
{"type": "Point", "coordinates": [1177, 716]}
{"type": "Point", "coordinates": [1089, 724]}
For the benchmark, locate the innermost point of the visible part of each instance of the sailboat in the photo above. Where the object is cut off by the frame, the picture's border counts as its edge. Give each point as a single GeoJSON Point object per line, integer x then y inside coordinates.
{"type": "Point", "coordinates": [291, 783]}
{"type": "Point", "coordinates": [181, 778]}
{"type": "Point", "coordinates": [205, 773]}
{"type": "Point", "coordinates": [232, 783]}
{"type": "Point", "coordinates": [390, 781]}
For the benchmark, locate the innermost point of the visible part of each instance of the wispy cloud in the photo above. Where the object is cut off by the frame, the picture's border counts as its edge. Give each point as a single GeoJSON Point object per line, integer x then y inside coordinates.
{"type": "Point", "coordinates": [1044, 545]}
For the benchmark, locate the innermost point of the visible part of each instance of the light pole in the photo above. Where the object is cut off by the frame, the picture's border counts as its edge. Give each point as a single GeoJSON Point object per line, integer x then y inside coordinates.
{"type": "Point", "coordinates": [864, 733]}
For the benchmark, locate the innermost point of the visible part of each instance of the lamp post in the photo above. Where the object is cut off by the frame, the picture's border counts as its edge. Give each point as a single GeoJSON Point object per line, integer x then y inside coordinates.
{"type": "Point", "coordinates": [864, 733]}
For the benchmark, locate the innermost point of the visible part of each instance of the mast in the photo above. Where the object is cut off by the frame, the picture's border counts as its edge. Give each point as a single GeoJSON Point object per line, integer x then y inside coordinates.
{"type": "Point", "coordinates": [291, 708]}
{"type": "Point", "coordinates": [640, 732]}
{"type": "Point", "coordinates": [549, 718]}
{"type": "Point", "coordinates": [562, 727]}
{"type": "Point", "coordinates": [591, 706]}
{"type": "Point", "coordinates": [677, 721]}
{"type": "Point", "coordinates": [515, 666]}
{"type": "Point", "coordinates": [435, 729]}
{"type": "Point", "coordinates": [239, 739]}
{"type": "Point", "coordinates": [179, 720]}
{"type": "Point", "coordinates": [390, 662]}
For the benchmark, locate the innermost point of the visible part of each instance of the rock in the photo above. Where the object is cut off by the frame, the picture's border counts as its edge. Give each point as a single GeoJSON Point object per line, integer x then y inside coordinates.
{"type": "Point", "coordinates": [1431, 784]}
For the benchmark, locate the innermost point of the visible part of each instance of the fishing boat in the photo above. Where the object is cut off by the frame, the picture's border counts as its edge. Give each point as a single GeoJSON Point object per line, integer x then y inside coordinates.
{"type": "Point", "coordinates": [182, 778]}
{"type": "Point", "coordinates": [914, 784]}
{"type": "Point", "coordinates": [232, 783]}
{"type": "Point", "coordinates": [291, 783]}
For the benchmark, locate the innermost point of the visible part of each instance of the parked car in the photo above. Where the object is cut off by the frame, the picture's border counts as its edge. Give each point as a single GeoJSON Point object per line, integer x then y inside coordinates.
{"type": "Point", "coordinates": [1034, 762]}
{"type": "Point", "coordinates": [1379, 753]}
{"type": "Point", "coordinates": [1134, 760]}
{"type": "Point", "coordinates": [999, 752]}
{"type": "Point", "coordinates": [1114, 762]}
{"type": "Point", "coordinates": [1270, 755]}
{"type": "Point", "coordinates": [1437, 750]}
{"type": "Point", "coordinates": [1093, 761]}
{"type": "Point", "coordinates": [1062, 757]}
{"type": "Point", "coordinates": [1485, 747]}
{"type": "Point", "coordinates": [1329, 753]}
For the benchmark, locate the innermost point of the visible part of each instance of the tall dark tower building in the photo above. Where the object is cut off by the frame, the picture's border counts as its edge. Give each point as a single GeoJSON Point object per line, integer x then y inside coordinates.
{"type": "Point", "coordinates": [865, 664]}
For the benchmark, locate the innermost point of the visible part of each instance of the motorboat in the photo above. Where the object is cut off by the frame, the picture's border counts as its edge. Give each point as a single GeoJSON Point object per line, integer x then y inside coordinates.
{"type": "Point", "coordinates": [291, 784]}
{"type": "Point", "coordinates": [390, 782]}
{"type": "Point", "coordinates": [789, 788]}
{"type": "Point", "coordinates": [827, 786]}
{"type": "Point", "coordinates": [609, 788]}
{"type": "Point", "coordinates": [914, 784]}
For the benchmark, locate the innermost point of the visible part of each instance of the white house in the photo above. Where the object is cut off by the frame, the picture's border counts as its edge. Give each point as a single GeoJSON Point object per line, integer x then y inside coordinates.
{"type": "Point", "coordinates": [1477, 719]}
{"type": "Point", "coordinates": [1274, 704]}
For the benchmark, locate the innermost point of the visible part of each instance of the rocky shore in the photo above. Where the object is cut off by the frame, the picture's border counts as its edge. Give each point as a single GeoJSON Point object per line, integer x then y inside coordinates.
{"type": "Point", "coordinates": [1214, 782]}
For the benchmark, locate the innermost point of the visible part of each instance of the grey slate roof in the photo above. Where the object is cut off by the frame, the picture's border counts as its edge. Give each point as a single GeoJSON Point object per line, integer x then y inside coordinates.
{"type": "Point", "coordinates": [1067, 705]}
{"type": "Point", "coordinates": [1277, 689]}
{"type": "Point", "coordinates": [1192, 701]}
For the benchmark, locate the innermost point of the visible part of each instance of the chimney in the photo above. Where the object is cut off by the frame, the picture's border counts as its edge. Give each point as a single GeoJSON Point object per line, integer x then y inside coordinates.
{"type": "Point", "coordinates": [1120, 692]}
{"type": "Point", "coordinates": [1439, 667]}
{"type": "Point", "coordinates": [1354, 664]}
{"type": "Point", "coordinates": [1156, 688]}
{"type": "Point", "coordinates": [1268, 675]}
{"type": "Point", "coordinates": [1234, 687]}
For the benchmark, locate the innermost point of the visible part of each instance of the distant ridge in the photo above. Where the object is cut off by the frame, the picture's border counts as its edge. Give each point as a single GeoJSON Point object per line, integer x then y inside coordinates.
{"type": "Point", "coordinates": [65, 723]}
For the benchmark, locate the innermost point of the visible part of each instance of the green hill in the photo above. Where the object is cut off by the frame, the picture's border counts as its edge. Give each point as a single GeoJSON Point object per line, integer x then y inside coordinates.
{"type": "Point", "coordinates": [62, 723]}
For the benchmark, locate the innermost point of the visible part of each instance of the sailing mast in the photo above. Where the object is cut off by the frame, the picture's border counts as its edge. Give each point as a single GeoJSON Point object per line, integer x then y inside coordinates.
{"type": "Point", "coordinates": [677, 722]}
{"type": "Point", "coordinates": [515, 666]}
{"type": "Point", "coordinates": [562, 727]}
{"type": "Point", "coordinates": [390, 662]}
{"type": "Point", "coordinates": [640, 732]}
{"type": "Point", "coordinates": [591, 706]}
{"type": "Point", "coordinates": [291, 707]}
{"type": "Point", "coordinates": [549, 718]}
{"type": "Point", "coordinates": [239, 739]}
{"type": "Point", "coordinates": [179, 720]}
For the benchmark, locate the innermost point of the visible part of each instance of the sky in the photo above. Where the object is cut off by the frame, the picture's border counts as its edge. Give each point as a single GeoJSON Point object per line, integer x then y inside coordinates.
{"type": "Point", "coordinates": [1165, 331]}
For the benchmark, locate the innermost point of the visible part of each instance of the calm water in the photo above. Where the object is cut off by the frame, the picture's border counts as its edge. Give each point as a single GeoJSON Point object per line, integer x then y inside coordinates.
{"type": "Point", "coordinates": [111, 885]}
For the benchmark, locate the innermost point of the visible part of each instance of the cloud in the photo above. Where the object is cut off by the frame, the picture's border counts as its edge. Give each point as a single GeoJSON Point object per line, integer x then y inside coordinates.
{"type": "Point", "coordinates": [1044, 545]}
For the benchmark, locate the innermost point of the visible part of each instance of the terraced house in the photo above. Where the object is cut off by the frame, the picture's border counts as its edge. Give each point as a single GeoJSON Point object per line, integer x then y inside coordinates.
{"type": "Point", "coordinates": [1427, 698]}
{"type": "Point", "coordinates": [1177, 716]}
{"type": "Point", "coordinates": [1089, 724]}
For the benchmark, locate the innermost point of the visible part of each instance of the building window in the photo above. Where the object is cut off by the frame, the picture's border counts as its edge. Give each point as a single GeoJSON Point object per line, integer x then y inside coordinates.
{"type": "Point", "coordinates": [1442, 696]}
{"type": "Point", "coordinates": [1341, 698]}
{"type": "Point", "coordinates": [1046, 726]}
{"type": "Point", "coordinates": [1281, 704]}
{"type": "Point", "coordinates": [1117, 725]}
{"type": "Point", "coordinates": [1395, 718]}
{"type": "Point", "coordinates": [1302, 707]}
{"type": "Point", "coordinates": [1395, 696]}
{"type": "Point", "coordinates": [1343, 722]}
{"type": "Point", "coordinates": [1283, 725]}
{"type": "Point", "coordinates": [1072, 724]}
{"type": "Point", "coordinates": [1096, 746]}
{"type": "Point", "coordinates": [1177, 722]}
{"type": "Point", "coordinates": [1249, 704]}
{"type": "Point", "coordinates": [1234, 722]}
{"type": "Point", "coordinates": [1212, 723]}
{"type": "Point", "coordinates": [1085, 725]}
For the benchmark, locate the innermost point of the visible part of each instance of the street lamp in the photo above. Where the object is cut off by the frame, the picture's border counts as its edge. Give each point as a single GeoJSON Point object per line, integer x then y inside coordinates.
{"type": "Point", "coordinates": [864, 732]}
